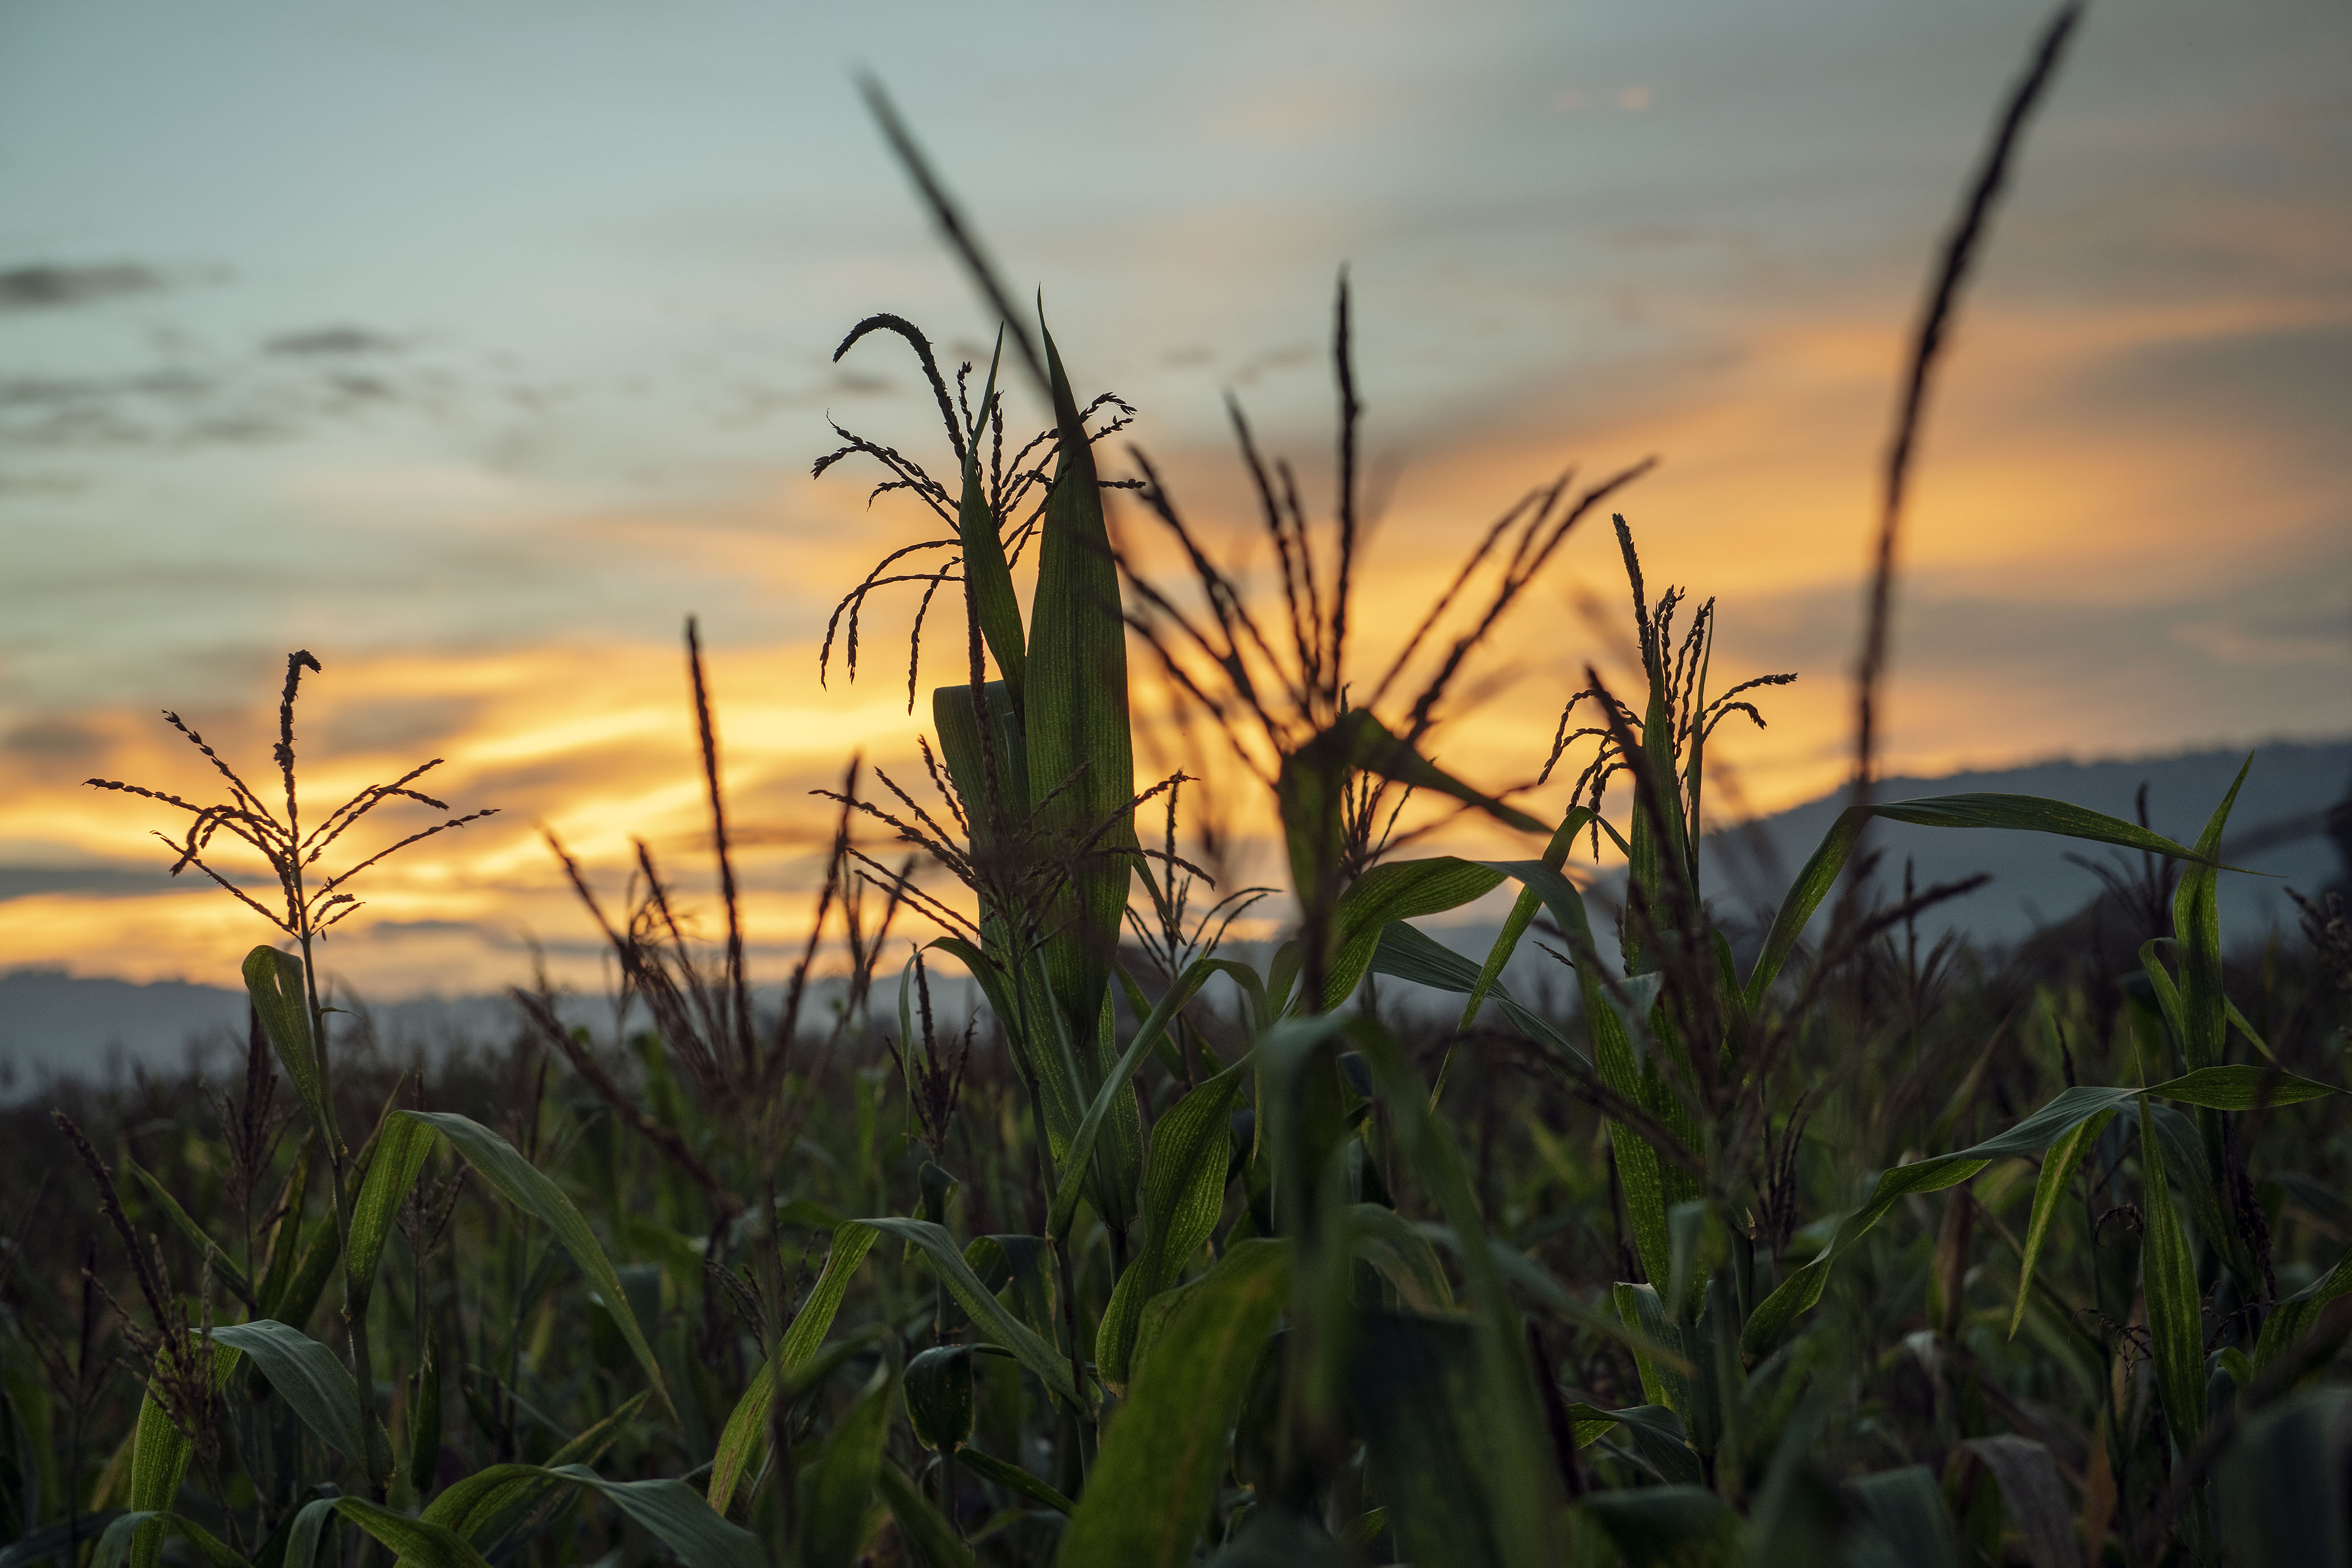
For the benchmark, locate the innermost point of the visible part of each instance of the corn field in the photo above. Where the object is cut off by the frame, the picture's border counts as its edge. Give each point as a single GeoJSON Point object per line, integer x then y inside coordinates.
{"type": "Point", "coordinates": [1763, 1236]}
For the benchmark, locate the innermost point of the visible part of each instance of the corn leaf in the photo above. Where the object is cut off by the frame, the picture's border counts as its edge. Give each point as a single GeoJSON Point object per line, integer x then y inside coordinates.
{"type": "Point", "coordinates": [919, 1524]}
{"type": "Point", "coordinates": [1156, 1473]}
{"type": "Point", "coordinates": [1183, 1192]}
{"type": "Point", "coordinates": [1396, 890]}
{"type": "Point", "coordinates": [400, 1154]}
{"type": "Point", "coordinates": [1013, 1478]}
{"type": "Point", "coordinates": [674, 1514]}
{"type": "Point", "coordinates": [2169, 1281]}
{"type": "Point", "coordinates": [1075, 712]}
{"type": "Point", "coordinates": [305, 1373]}
{"type": "Point", "coordinates": [493, 1504]}
{"type": "Point", "coordinates": [1397, 1248]}
{"type": "Point", "coordinates": [2293, 1318]}
{"type": "Point", "coordinates": [2020, 813]}
{"type": "Point", "coordinates": [1406, 952]}
{"type": "Point", "coordinates": [1051, 1368]}
{"type": "Point", "coordinates": [414, 1541]}
{"type": "Point", "coordinates": [1069, 1179]}
{"type": "Point", "coordinates": [1901, 1521]}
{"type": "Point", "coordinates": [988, 579]}
{"type": "Point", "coordinates": [217, 1258]}
{"type": "Point", "coordinates": [2048, 1190]}
{"type": "Point", "coordinates": [2197, 927]}
{"type": "Point", "coordinates": [744, 1440]}
{"type": "Point", "coordinates": [1667, 1527]}
{"type": "Point", "coordinates": [535, 1194]}
{"type": "Point", "coordinates": [274, 981]}
{"type": "Point", "coordinates": [160, 1456]}
{"type": "Point", "coordinates": [838, 1489]}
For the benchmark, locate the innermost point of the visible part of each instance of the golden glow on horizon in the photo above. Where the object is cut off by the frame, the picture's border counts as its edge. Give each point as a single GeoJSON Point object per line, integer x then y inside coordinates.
{"type": "Point", "coordinates": [1765, 502]}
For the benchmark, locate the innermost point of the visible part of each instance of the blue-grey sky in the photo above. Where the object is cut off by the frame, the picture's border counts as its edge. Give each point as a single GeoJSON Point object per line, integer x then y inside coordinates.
{"type": "Point", "coordinates": [472, 347]}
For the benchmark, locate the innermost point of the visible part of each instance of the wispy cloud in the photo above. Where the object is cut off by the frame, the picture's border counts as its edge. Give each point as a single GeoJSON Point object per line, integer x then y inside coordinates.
{"type": "Point", "coordinates": [58, 286]}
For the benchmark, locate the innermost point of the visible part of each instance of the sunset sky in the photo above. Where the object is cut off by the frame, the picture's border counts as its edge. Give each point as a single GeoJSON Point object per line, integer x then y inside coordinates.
{"type": "Point", "coordinates": [473, 348]}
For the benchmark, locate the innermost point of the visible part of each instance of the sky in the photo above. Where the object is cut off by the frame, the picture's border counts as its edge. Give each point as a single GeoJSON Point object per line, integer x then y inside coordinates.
{"type": "Point", "coordinates": [472, 349]}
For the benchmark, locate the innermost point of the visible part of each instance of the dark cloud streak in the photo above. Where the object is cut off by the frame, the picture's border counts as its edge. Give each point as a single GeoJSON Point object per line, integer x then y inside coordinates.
{"type": "Point", "coordinates": [54, 285]}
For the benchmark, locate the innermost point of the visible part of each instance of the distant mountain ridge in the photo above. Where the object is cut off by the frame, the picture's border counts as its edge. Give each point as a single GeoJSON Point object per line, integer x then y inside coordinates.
{"type": "Point", "coordinates": [54, 1023]}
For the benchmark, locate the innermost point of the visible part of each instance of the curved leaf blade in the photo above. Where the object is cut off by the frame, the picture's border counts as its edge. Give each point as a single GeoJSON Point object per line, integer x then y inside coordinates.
{"type": "Point", "coordinates": [532, 1190]}
{"type": "Point", "coordinates": [1155, 1476]}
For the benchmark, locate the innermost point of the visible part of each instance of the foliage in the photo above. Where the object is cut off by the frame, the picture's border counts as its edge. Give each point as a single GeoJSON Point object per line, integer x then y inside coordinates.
{"type": "Point", "coordinates": [1776, 1242]}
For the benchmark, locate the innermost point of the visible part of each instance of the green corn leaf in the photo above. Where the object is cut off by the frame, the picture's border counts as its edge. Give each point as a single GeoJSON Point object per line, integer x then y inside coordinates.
{"type": "Point", "coordinates": [2048, 1190]}
{"type": "Point", "coordinates": [285, 1246]}
{"type": "Point", "coordinates": [305, 1373]}
{"type": "Point", "coordinates": [2169, 1281]}
{"type": "Point", "coordinates": [321, 1253]}
{"type": "Point", "coordinates": [535, 1194]}
{"type": "Point", "coordinates": [1076, 716]}
{"type": "Point", "coordinates": [2032, 1498]}
{"type": "Point", "coordinates": [2020, 813]}
{"type": "Point", "coordinates": [1396, 1246]}
{"type": "Point", "coordinates": [1413, 1391]}
{"type": "Point", "coordinates": [2281, 1490]}
{"type": "Point", "coordinates": [1309, 791]}
{"type": "Point", "coordinates": [2293, 1318]}
{"type": "Point", "coordinates": [128, 1527]}
{"type": "Point", "coordinates": [1657, 1434]}
{"type": "Point", "coordinates": [1521, 1481]}
{"type": "Point", "coordinates": [225, 1270]}
{"type": "Point", "coordinates": [2231, 1087]}
{"type": "Point", "coordinates": [1156, 1475]}
{"type": "Point", "coordinates": [744, 1440]}
{"type": "Point", "coordinates": [424, 1420]}
{"type": "Point", "coordinates": [939, 1248]}
{"type": "Point", "coordinates": [988, 580]}
{"type": "Point", "coordinates": [492, 1504]}
{"type": "Point", "coordinates": [1651, 1183]}
{"type": "Point", "coordinates": [1396, 890]}
{"type": "Point", "coordinates": [1183, 1192]}
{"type": "Point", "coordinates": [1118, 1166]}
{"type": "Point", "coordinates": [674, 1514]}
{"type": "Point", "coordinates": [2197, 927]}
{"type": "Point", "coordinates": [2244, 1087]}
{"type": "Point", "coordinates": [400, 1152]}
{"type": "Point", "coordinates": [1013, 1479]}
{"type": "Point", "coordinates": [1902, 1521]}
{"type": "Point", "coordinates": [1523, 914]}
{"type": "Point", "coordinates": [1667, 1527]}
{"type": "Point", "coordinates": [956, 720]}
{"type": "Point", "coordinates": [1069, 1179]}
{"type": "Point", "coordinates": [1406, 952]}
{"type": "Point", "coordinates": [160, 1456]}
{"type": "Point", "coordinates": [838, 1489]}
{"type": "Point", "coordinates": [51, 1540]}
{"type": "Point", "coordinates": [274, 981]}
{"type": "Point", "coordinates": [417, 1543]}
{"type": "Point", "coordinates": [919, 1524]}
{"type": "Point", "coordinates": [312, 1526]}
